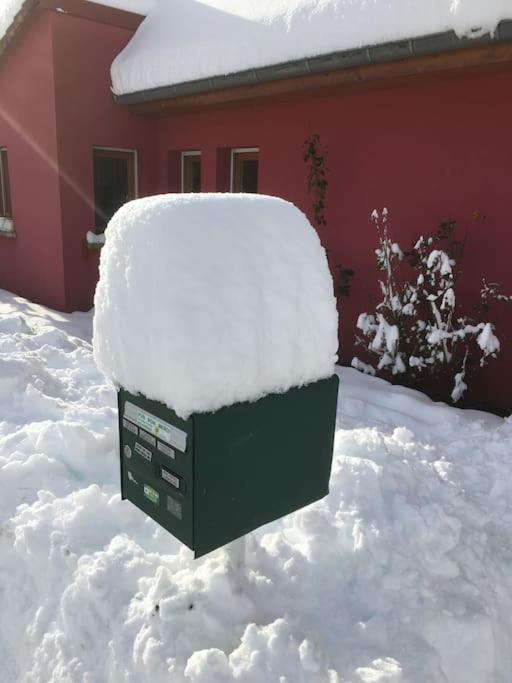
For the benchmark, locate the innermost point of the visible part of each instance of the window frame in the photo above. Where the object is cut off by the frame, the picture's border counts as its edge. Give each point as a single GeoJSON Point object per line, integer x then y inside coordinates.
{"type": "Point", "coordinates": [236, 151]}
{"type": "Point", "coordinates": [187, 155]}
{"type": "Point", "coordinates": [5, 187]}
{"type": "Point", "coordinates": [133, 171]}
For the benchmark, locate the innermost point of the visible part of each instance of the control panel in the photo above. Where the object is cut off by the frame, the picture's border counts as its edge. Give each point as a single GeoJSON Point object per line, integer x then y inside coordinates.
{"type": "Point", "coordinates": [156, 463]}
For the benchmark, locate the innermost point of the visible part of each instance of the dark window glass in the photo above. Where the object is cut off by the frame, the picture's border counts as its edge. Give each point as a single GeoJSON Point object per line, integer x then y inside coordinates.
{"type": "Point", "coordinates": [5, 192]}
{"type": "Point", "coordinates": [191, 181]}
{"type": "Point", "coordinates": [249, 179]}
{"type": "Point", "coordinates": [114, 183]}
{"type": "Point", "coordinates": [245, 172]}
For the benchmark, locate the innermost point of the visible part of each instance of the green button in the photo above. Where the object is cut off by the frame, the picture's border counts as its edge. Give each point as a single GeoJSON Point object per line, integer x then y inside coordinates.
{"type": "Point", "coordinates": [151, 494]}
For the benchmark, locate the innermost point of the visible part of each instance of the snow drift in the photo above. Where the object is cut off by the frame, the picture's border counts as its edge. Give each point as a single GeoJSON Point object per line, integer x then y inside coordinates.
{"type": "Point", "coordinates": [185, 40]}
{"type": "Point", "coordinates": [212, 299]}
{"type": "Point", "coordinates": [401, 575]}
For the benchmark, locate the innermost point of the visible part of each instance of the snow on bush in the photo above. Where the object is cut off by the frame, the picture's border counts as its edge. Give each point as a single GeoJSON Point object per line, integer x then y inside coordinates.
{"type": "Point", "coordinates": [184, 40]}
{"type": "Point", "coordinates": [417, 330]}
{"type": "Point", "coordinates": [400, 575]}
{"type": "Point", "coordinates": [210, 299]}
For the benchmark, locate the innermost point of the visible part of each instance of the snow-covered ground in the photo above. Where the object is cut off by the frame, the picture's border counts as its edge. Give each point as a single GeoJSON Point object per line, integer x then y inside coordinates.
{"type": "Point", "coordinates": [403, 573]}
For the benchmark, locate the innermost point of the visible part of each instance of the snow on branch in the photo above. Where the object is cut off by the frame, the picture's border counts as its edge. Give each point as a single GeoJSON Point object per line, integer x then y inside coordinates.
{"type": "Point", "coordinates": [417, 331]}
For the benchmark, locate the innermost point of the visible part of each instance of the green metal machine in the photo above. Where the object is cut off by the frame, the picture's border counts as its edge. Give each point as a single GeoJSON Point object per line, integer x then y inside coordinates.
{"type": "Point", "coordinates": [217, 476]}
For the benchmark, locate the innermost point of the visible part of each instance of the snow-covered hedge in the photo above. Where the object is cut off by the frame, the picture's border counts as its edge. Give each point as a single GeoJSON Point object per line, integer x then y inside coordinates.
{"type": "Point", "coordinates": [418, 330]}
{"type": "Point", "coordinates": [206, 300]}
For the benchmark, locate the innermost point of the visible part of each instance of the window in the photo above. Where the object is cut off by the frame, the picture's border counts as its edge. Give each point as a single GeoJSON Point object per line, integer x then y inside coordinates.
{"type": "Point", "coordinates": [115, 183]}
{"type": "Point", "coordinates": [191, 171]}
{"type": "Point", "coordinates": [5, 193]}
{"type": "Point", "coordinates": [244, 170]}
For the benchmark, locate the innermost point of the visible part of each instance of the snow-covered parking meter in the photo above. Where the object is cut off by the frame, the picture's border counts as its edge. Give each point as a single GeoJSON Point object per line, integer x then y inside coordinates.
{"type": "Point", "coordinates": [215, 318]}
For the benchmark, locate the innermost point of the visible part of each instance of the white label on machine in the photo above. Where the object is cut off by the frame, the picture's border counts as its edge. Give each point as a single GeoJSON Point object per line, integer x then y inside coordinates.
{"type": "Point", "coordinates": [148, 438]}
{"type": "Point", "coordinates": [171, 478]}
{"type": "Point", "coordinates": [154, 425]}
{"type": "Point", "coordinates": [130, 426]}
{"type": "Point", "coordinates": [144, 452]}
{"type": "Point", "coordinates": [166, 450]}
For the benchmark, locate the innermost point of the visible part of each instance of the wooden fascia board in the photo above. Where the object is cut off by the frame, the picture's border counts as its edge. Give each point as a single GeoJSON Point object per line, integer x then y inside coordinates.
{"type": "Point", "coordinates": [469, 59]}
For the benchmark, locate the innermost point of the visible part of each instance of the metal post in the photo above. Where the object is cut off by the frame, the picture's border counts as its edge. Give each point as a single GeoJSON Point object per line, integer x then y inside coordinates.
{"type": "Point", "coordinates": [235, 552]}
{"type": "Point", "coordinates": [236, 557]}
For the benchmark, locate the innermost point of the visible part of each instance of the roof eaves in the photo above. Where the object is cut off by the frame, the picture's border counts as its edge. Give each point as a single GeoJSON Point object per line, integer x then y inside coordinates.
{"type": "Point", "coordinates": [16, 24]}
{"type": "Point", "coordinates": [87, 10]}
{"type": "Point", "coordinates": [385, 52]}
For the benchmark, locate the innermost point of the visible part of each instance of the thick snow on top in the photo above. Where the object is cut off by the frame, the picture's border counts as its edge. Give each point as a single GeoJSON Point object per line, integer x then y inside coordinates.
{"type": "Point", "coordinates": [184, 40]}
{"type": "Point", "coordinates": [401, 575]}
{"type": "Point", "coordinates": [210, 299]}
{"type": "Point", "coordinates": [9, 9]}
{"type": "Point", "coordinates": [136, 6]}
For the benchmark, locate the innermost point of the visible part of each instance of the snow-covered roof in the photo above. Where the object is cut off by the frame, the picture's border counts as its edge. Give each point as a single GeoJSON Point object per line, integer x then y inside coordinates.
{"type": "Point", "coordinates": [136, 6]}
{"type": "Point", "coordinates": [186, 40]}
{"type": "Point", "coordinates": [211, 299]}
{"type": "Point", "coordinates": [10, 8]}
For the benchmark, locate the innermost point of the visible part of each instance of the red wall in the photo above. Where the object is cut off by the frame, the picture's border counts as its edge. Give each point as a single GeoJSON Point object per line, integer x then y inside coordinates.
{"type": "Point", "coordinates": [429, 150]}
{"type": "Point", "coordinates": [32, 264]}
{"type": "Point", "coordinates": [87, 117]}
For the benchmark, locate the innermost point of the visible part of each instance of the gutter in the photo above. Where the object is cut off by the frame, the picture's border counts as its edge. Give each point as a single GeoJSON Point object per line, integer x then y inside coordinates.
{"type": "Point", "coordinates": [385, 52]}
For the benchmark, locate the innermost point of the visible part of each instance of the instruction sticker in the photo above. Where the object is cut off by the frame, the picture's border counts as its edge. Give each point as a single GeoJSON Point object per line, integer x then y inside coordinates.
{"type": "Point", "coordinates": [130, 426]}
{"type": "Point", "coordinates": [155, 426]}
{"type": "Point", "coordinates": [151, 494]}
{"type": "Point", "coordinates": [171, 478]}
{"type": "Point", "coordinates": [148, 438]}
{"type": "Point", "coordinates": [166, 450]}
{"type": "Point", "coordinates": [144, 452]}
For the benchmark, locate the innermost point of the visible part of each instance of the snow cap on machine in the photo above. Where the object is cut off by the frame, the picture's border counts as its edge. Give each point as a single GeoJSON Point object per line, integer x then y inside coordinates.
{"type": "Point", "coordinates": [212, 299]}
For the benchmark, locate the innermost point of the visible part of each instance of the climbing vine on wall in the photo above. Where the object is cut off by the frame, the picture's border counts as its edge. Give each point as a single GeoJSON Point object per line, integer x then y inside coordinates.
{"type": "Point", "coordinates": [315, 158]}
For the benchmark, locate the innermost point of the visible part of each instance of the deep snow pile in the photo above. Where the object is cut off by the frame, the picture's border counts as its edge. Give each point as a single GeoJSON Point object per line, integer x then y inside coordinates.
{"type": "Point", "coordinates": [184, 40]}
{"type": "Point", "coordinates": [402, 574]}
{"type": "Point", "coordinates": [205, 300]}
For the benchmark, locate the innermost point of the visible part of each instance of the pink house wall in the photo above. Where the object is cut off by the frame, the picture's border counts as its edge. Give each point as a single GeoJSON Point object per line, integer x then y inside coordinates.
{"type": "Point", "coordinates": [55, 106]}
{"type": "Point", "coordinates": [88, 117]}
{"type": "Point", "coordinates": [32, 264]}
{"type": "Point", "coordinates": [429, 151]}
